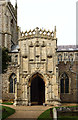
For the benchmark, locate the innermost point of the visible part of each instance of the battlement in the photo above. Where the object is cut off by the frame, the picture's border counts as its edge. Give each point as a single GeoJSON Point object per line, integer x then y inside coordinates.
{"type": "Point", "coordinates": [39, 33]}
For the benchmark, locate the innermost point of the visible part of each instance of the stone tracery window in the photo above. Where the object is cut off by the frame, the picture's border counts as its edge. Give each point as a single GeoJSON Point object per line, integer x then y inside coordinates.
{"type": "Point", "coordinates": [59, 58]}
{"type": "Point", "coordinates": [16, 58]}
{"type": "Point", "coordinates": [76, 56]}
{"type": "Point", "coordinates": [71, 57]}
{"type": "Point", "coordinates": [64, 83]}
{"type": "Point", "coordinates": [12, 81]}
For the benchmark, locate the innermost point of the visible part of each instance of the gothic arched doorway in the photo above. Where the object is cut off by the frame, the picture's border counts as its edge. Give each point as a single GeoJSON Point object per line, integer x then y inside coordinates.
{"type": "Point", "coordinates": [37, 90]}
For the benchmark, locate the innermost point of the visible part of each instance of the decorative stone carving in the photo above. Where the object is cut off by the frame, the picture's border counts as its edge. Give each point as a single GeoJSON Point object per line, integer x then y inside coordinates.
{"type": "Point", "coordinates": [39, 32]}
{"type": "Point", "coordinates": [43, 53]}
{"type": "Point", "coordinates": [50, 65]}
{"type": "Point", "coordinates": [31, 55]}
{"type": "Point", "coordinates": [25, 64]}
{"type": "Point", "coordinates": [24, 51]}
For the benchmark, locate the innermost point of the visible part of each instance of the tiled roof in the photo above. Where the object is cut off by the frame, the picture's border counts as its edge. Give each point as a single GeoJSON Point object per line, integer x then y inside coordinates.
{"type": "Point", "coordinates": [67, 47]}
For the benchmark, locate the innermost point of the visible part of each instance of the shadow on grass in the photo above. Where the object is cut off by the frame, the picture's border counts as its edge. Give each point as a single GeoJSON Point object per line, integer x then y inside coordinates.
{"type": "Point", "coordinates": [6, 112]}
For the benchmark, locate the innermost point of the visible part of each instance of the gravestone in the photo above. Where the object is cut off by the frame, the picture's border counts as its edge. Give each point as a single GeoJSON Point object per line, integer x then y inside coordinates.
{"type": "Point", "coordinates": [54, 114]}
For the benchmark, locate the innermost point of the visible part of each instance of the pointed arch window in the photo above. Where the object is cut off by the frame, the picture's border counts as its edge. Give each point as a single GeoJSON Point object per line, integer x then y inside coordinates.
{"type": "Point", "coordinates": [16, 58]}
{"type": "Point", "coordinates": [59, 57]}
{"type": "Point", "coordinates": [12, 81]}
{"type": "Point", "coordinates": [64, 83]}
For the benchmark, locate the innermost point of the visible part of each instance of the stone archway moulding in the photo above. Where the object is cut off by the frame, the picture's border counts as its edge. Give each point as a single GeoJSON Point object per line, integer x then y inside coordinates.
{"type": "Point", "coordinates": [31, 76]}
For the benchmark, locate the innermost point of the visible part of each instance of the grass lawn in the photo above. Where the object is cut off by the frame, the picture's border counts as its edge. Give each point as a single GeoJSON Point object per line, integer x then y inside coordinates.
{"type": "Point", "coordinates": [7, 103]}
{"type": "Point", "coordinates": [46, 116]}
{"type": "Point", "coordinates": [7, 111]}
{"type": "Point", "coordinates": [68, 118]}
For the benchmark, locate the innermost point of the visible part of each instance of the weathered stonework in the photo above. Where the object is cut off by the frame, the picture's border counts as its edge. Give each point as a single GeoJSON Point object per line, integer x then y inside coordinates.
{"type": "Point", "coordinates": [70, 66]}
{"type": "Point", "coordinates": [6, 96]}
{"type": "Point", "coordinates": [8, 24]}
{"type": "Point", "coordinates": [36, 56]}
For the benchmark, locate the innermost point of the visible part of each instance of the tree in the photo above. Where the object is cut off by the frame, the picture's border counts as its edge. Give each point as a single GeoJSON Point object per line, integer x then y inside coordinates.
{"type": "Point", "coordinates": [5, 59]}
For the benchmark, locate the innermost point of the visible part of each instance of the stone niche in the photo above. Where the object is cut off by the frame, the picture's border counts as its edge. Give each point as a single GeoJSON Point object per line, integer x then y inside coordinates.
{"type": "Point", "coordinates": [31, 52]}
{"type": "Point", "coordinates": [43, 53]}
{"type": "Point", "coordinates": [25, 64]}
{"type": "Point", "coordinates": [49, 64]}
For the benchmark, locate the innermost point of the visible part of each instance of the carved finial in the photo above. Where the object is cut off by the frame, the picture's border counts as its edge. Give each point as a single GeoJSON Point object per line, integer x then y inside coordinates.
{"type": "Point", "coordinates": [55, 32]}
{"type": "Point", "coordinates": [37, 30]}
{"type": "Point", "coordinates": [55, 29]}
{"type": "Point", "coordinates": [15, 3]}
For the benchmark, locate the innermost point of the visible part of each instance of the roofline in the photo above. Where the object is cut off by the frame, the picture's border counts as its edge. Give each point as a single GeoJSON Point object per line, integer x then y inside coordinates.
{"type": "Point", "coordinates": [13, 52]}
{"type": "Point", "coordinates": [67, 50]}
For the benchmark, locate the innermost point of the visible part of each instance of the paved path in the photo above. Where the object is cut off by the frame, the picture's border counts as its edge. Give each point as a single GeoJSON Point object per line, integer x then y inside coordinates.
{"type": "Point", "coordinates": [30, 111]}
{"type": "Point", "coordinates": [27, 111]}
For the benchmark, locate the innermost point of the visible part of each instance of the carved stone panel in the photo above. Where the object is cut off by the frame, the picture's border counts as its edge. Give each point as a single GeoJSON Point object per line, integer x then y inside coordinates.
{"type": "Point", "coordinates": [32, 67]}
{"type": "Point", "coordinates": [49, 64]}
{"type": "Point", "coordinates": [49, 51]}
{"type": "Point", "coordinates": [31, 53]}
{"type": "Point", "coordinates": [37, 49]}
{"type": "Point", "coordinates": [43, 53]}
{"type": "Point", "coordinates": [24, 50]}
{"type": "Point", "coordinates": [37, 58]}
{"type": "Point", "coordinates": [43, 67]}
{"type": "Point", "coordinates": [25, 64]}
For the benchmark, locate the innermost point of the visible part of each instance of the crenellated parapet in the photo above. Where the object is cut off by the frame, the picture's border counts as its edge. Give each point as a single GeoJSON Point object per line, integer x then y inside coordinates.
{"type": "Point", "coordinates": [39, 33]}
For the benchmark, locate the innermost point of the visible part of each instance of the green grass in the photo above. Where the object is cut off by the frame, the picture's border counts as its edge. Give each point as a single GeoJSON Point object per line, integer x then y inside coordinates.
{"type": "Point", "coordinates": [68, 118]}
{"type": "Point", "coordinates": [8, 111]}
{"type": "Point", "coordinates": [7, 103]}
{"type": "Point", "coordinates": [46, 115]}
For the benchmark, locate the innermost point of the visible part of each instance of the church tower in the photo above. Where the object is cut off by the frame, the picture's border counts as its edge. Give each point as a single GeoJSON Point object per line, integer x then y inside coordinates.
{"type": "Point", "coordinates": [8, 24]}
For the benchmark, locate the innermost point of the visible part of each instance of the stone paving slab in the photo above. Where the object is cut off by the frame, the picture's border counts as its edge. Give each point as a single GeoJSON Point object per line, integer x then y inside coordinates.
{"type": "Point", "coordinates": [27, 111]}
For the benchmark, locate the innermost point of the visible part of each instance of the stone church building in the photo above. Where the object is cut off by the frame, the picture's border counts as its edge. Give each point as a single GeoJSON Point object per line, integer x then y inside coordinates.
{"type": "Point", "coordinates": [40, 72]}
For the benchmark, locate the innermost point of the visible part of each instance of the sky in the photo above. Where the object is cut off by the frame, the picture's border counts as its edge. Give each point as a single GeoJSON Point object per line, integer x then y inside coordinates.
{"type": "Point", "coordinates": [46, 14]}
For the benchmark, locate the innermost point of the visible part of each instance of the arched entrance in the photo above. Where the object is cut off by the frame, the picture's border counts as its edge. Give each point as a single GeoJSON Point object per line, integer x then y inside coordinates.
{"type": "Point", "coordinates": [37, 90]}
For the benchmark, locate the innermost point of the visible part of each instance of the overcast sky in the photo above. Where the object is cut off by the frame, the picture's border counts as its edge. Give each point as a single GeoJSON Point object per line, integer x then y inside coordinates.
{"type": "Point", "coordinates": [49, 13]}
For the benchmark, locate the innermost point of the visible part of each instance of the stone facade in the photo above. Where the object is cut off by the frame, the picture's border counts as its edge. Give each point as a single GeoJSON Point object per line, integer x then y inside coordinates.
{"type": "Point", "coordinates": [68, 62]}
{"type": "Point", "coordinates": [40, 72]}
{"type": "Point", "coordinates": [6, 96]}
{"type": "Point", "coordinates": [38, 56]}
{"type": "Point", "coordinates": [8, 24]}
